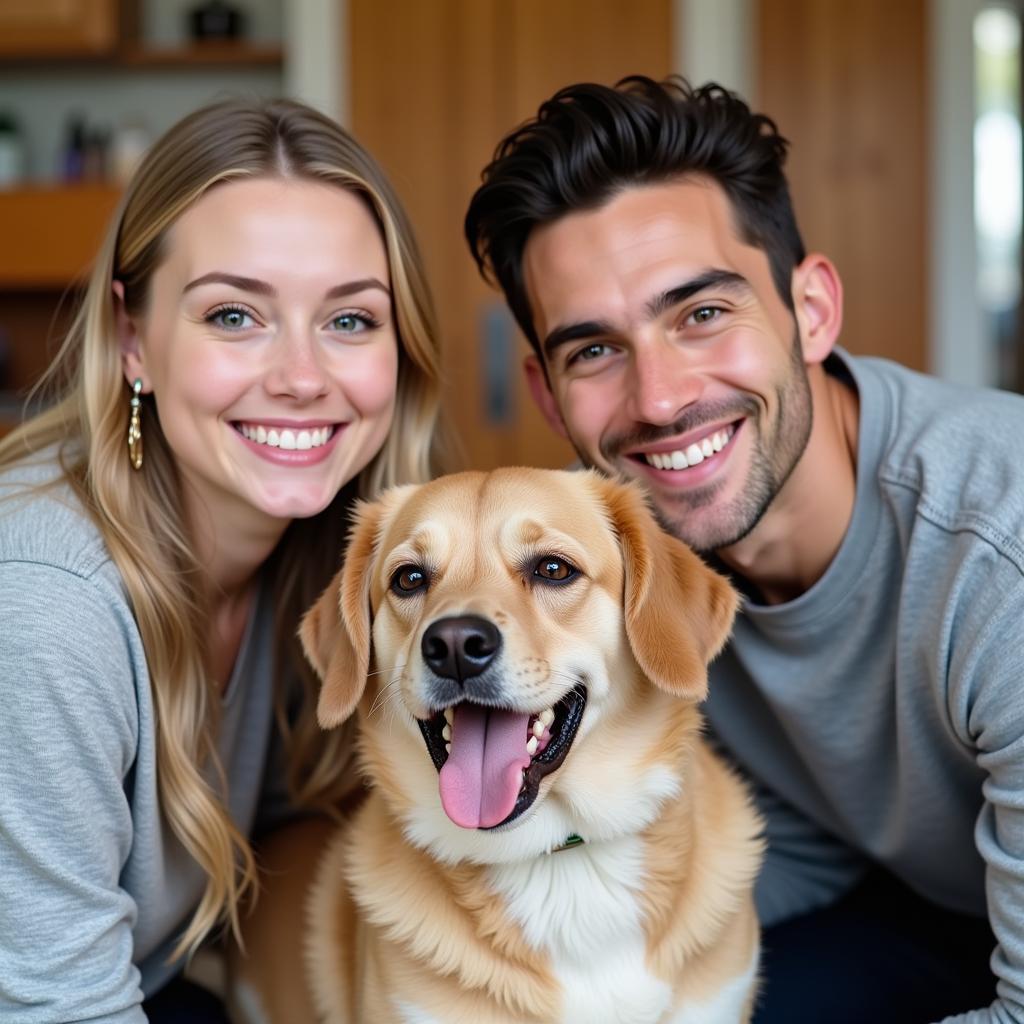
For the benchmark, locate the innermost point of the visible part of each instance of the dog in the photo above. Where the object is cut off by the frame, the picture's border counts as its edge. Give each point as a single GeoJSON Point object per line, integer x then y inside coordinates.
{"type": "Point", "coordinates": [547, 837]}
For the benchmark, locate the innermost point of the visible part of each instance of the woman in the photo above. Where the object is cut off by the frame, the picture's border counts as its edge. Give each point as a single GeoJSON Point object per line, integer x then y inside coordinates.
{"type": "Point", "coordinates": [257, 326]}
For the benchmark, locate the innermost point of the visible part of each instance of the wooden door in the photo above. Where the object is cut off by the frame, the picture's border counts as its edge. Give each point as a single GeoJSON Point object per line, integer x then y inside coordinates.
{"type": "Point", "coordinates": [846, 84]}
{"type": "Point", "coordinates": [435, 84]}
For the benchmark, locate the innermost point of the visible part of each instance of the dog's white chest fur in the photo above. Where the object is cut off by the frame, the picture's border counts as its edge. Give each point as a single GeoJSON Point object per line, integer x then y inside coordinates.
{"type": "Point", "coordinates": [581, 907]}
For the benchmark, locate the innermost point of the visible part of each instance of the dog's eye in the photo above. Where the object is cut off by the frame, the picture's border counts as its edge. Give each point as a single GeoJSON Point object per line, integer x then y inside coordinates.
{"type": "Point", "coordinates": [407, 579]}
{"type": "Point", "coordinates": [555, 570]}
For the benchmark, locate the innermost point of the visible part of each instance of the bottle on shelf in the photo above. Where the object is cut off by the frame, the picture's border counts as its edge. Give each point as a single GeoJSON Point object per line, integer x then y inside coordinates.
{"type": "Point", "coordinates": [12, 151]}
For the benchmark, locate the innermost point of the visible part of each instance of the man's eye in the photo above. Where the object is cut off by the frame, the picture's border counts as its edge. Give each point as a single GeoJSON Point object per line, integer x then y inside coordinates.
{"type": "Point", "coordinates": [408, 579]}
{"type": "Point", "coordinates": [554, 569]}
{"type": "Point", "coordinates": [588, 353]}
{"type": "Point", "coordinates": [705, 314]}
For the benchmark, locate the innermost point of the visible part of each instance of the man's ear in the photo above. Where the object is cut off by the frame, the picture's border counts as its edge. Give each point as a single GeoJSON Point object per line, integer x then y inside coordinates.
{"type": "Point", "coordinates": [541, 391]}
{"type": "Point", "coordinates": [335, 632]}
{"type": "Point", "coordinates": [818, 304]}
{"type": "Point", "coordinates": [132, 363]}
{"type": "Point", "coordinates": [678, 611]}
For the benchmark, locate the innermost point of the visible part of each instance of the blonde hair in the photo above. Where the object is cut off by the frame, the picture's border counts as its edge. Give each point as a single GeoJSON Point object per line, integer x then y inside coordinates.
{"type": "Point", "coordinates": [140, 514]}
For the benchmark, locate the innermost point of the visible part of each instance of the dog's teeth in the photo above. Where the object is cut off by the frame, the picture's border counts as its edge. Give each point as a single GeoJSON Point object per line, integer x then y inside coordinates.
{"type": "Point", "coordinates": [547, 716]}
{"type": "Point", "coordinates": [448, 747]}
{"type": "Point", "coordinates": [531, 746]}
{"type": "Point", "coordinates": [538, 728]}
{"type": "Point", "coordinates": [449, 715]}
{"type": "Point", "coordinates": [446, 732]}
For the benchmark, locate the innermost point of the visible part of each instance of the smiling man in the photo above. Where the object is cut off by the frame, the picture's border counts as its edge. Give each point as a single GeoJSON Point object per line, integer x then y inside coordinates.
{"type": "Point", "coordinates": [872, 517]}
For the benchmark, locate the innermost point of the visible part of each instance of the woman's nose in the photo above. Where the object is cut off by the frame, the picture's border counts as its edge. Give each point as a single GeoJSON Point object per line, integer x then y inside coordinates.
{"type": "Point", "coordinates": [297, 370]}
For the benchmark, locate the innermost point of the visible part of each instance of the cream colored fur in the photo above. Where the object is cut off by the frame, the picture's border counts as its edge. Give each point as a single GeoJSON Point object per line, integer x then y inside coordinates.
{"type": "Point", "coordinates": [412, 918]}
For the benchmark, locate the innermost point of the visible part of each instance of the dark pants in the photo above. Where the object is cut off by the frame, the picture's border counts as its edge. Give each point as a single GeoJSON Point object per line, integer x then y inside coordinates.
{"type": "Point", "coordinates": [183, 1002]}
{"type": "Point", "coordinates": [881, 955]}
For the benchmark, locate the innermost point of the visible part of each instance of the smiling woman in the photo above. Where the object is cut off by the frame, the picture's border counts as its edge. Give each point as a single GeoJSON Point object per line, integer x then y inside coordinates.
{"type": "Point", "coordinates": [257, 328]}
{"type": "Point", "coordinates": [301, 346]}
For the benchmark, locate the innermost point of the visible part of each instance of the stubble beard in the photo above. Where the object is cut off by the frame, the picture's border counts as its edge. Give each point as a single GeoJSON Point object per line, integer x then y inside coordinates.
{"type": "Point", "coordinates": [774, 453]}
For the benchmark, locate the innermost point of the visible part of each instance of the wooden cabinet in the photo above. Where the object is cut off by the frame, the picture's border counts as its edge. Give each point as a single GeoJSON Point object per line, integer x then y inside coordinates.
{"type": "Point", "coordinates": [50, 238]}
{"type": "Point", "coordinates": [434, 86]}
{"type": "Point", "coordinates": [59, 28]}
{"type": "Point", "coordinates": [51, 234]}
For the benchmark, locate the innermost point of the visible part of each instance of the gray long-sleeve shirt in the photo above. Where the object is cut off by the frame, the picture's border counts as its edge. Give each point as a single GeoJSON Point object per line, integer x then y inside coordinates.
{"type": "Point", "coordinates": [94, 888]}
{"type": "Point", "coordinates": [884, 708]}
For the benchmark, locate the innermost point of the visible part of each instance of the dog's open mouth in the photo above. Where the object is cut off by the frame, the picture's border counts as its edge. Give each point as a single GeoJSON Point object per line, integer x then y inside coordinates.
{"type": "Point", "coordinates": [491, 760]}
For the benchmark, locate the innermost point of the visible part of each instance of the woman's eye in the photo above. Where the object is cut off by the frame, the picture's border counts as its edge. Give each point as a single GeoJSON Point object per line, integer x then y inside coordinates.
{"type": "Point", "coordinates": [350, 323]}
{"type": "Point", "coordinates": [407, 579]}
{"type": "Point", "coordinates": [554, 569]}
{"type": "Point", "coordinates": [231, 318]}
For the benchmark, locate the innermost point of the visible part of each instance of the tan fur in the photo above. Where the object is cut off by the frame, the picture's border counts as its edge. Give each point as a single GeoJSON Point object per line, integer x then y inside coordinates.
{"type": "Point", "coordinates": [403, 908]}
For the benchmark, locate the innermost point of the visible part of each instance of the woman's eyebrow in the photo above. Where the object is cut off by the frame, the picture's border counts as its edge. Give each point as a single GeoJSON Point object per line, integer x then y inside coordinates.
{"type": "Point", "coordinates": [258, 287]}
{"type": "Point", "coordinates": [341, 290]}
{"type": "Point", "coordinates": [246, 284]}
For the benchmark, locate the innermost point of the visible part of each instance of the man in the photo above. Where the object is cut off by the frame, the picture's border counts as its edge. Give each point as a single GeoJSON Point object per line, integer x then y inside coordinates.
{"type": "Point", "coordinates": [873, 519]}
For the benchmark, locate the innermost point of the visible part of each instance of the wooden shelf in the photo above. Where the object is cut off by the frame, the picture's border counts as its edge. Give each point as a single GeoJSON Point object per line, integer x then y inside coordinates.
{"type": "Point", "coordinates": [211, 54]}
{"type": "Point", "coordinates": [132, 56]}
{"type": "Point", "coordinates": [52, 234]}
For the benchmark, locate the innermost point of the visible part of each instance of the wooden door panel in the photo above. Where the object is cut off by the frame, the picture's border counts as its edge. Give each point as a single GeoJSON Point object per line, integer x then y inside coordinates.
{"type": "Point", "coordinates": [846, 84]}
{"type": "Point", "coordinates": [435, 84]}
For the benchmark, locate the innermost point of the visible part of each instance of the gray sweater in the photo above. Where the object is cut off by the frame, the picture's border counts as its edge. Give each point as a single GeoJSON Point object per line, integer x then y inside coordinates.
{"type": "Point", "coordinates": [884, 708]}
{"type": "Point", "coordinates": [94, 888]}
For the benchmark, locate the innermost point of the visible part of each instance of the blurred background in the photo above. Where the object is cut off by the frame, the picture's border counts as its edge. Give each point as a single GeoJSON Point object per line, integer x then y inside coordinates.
{"type": "Point", "coordinates": [904, 118]}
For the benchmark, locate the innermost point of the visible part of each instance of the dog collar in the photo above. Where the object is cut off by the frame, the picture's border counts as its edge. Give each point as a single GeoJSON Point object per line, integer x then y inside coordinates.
{"type": "Point", "coordinates": [573, 840]}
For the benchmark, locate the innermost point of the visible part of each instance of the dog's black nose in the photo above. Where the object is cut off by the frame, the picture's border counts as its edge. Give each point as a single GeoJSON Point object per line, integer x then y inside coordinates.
{"type": "Point", "coordinates": [460, 646]}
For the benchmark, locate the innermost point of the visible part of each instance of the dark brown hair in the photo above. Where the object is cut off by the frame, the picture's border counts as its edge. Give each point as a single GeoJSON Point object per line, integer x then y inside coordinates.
{"type": "Point", "coordinates": [589, 142]}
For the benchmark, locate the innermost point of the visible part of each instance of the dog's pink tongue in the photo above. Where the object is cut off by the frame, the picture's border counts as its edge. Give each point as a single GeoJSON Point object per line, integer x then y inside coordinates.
{"type": "Point", "coordinates": [484, 771]}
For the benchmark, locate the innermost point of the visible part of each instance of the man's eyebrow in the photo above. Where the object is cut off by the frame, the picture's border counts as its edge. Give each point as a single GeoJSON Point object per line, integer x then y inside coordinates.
{"type": "Point", "coordinates": [709, 279]}
{"type": "Point", "coordinates": [654, 307]}
{"type": "Point", "coordinates": [574, 332]}
{"type": "Point", "coordinates": [252, 284]}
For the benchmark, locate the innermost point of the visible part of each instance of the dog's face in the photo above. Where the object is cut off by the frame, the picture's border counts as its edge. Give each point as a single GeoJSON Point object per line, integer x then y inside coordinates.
{"type": "Point", "coordinates": [525, 649]}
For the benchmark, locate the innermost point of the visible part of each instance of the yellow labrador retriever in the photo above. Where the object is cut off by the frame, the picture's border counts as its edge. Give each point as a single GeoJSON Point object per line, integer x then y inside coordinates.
{"type": "Point", "coordinates": [547, 838]}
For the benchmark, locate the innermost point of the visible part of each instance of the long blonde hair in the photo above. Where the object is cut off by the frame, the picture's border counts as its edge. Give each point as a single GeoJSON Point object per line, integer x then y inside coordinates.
{"type": "Point", "coordinates": [140, 514]}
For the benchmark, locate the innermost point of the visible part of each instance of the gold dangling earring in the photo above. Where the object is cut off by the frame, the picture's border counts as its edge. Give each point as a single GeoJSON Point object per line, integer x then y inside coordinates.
{"type": "Point", "coordinates": [135, 427]}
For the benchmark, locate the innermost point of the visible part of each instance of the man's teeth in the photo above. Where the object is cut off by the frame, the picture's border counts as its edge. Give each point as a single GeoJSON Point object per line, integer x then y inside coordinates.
{"type": "Point", "coordinates": [537, 738]}
{"type": "Point", "coordinates": [290, 440]}
{"type": "Point", "coordinates": [694, 454]}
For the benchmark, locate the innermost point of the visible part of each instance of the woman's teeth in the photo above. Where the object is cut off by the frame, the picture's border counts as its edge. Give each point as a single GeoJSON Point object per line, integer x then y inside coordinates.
{"type": "Point", "coordinates": [291, 440]}
{"type": "Point", "coordinates": [694, 454]}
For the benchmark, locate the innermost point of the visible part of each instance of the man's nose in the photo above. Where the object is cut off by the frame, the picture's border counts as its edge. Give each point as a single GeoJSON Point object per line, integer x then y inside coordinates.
{"type": "Point", "coordinates": [297, 370]}
{"type": "Point", "coordinates": [665, 380]}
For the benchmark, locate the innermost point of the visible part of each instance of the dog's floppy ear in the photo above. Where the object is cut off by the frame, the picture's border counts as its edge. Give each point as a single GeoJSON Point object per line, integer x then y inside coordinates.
{"type": "Point", "coordinates": [678, 611]}
{"type": "Point", "coordinates": [335, 632]}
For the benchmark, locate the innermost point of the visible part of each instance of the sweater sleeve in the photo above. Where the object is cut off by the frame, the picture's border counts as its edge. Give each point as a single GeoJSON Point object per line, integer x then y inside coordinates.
{"type": "Point", "coordinates": [987, 709]}
{"type": "Point", "coordinates": [804, 867]}
{"type": "Point", "coordinates": [68, 732]}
